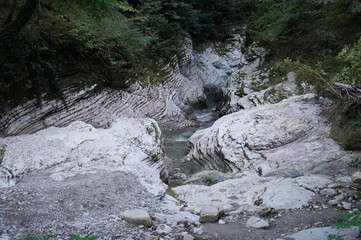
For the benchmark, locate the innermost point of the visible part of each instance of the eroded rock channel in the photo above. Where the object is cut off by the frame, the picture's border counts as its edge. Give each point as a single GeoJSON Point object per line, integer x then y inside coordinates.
{"type": "Point", "coordinates": [265, 169]}
{"type": "Point", "coordinates": [176, 142]}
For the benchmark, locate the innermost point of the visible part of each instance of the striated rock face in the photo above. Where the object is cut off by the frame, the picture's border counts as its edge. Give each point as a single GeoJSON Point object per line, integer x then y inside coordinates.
{"type": "Point", "coordinates": [129, 145]}
{"type": "Point", "coordinates": [164, 102]}
{"type": "Point", "coordinates": [213, 70]}
{"type": "Point", "coordinates": [289, 135]}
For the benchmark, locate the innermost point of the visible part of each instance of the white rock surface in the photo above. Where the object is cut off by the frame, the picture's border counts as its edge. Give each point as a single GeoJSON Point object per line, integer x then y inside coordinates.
{"type": "Point", "coordinates": [130, 145]}
{"type": "Point", "coordinates": [175, 212]}
{"type": "Point", "coordinates": [164, 229]}
{"type": "Point", "coordinates": [137, 216]}
{"type": "Point", "coordinates": [288, 135]}
{"type": "Point", "coordinates": [198, 230]}
{"type": "Point", "coordinates": [255, 222]}
{"type": "Point", "coordinates": [242, 193]}
{"type": "Point", "coordinates": [221, 222]}
{"type": "Point", "coordinates": [323, 233]}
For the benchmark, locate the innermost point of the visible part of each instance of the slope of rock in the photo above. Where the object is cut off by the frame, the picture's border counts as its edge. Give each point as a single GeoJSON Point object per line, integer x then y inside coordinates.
{"type": "Point", "coordinates": [289, 135]}
{"type": "Point", "coordinates": [130, 145]}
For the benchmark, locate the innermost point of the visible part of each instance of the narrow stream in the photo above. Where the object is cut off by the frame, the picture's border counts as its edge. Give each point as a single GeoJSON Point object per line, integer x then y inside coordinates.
{"type": "Point", "coordinates": [176, 141]}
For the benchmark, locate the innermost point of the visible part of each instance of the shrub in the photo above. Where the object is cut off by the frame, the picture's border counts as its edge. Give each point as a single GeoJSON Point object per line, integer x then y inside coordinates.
{"type": "Point", "coordinates": [350, 60]}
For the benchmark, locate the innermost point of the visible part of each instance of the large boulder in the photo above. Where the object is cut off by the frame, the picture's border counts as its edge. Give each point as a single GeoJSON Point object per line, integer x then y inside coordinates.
{"type": "Point", "coordinates": [137, 216]}
{"type": "Point", "coordinates": [210, 214]}
{"type": "Point", "coordinates": [356, 177]}
{"type": "Point", "coordinates": [290, 135]}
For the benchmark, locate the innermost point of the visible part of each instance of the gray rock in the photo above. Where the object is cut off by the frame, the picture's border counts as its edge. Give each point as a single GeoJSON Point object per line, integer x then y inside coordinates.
{"type": "Point", "coordinates": [333, 202]}
{"type": "Point", "coordinates": [334, 185]}
{"type": "Point", "coordinates": [188, 237]}
{"type": "Point", "coordinates": [346, 205]}
{"type": "Point", "coordinates": [255, 222]}
{"type": "Point", "coordinates": [323, 233]}
{"type": "Point", "coordinates": [356, 177]}
{"type": "Point", "coordinates": [164, 229]}
{"type": "Point", "coordinates": [210, 214]}
{"type": "Point", "coordinates": [329, 192]}
{"type": "Point", "coordinates": [340, 197]}
{"type": "Point", "coordinates": [198, 230]}
{"type": "Point", "coordinates": [137, 216]}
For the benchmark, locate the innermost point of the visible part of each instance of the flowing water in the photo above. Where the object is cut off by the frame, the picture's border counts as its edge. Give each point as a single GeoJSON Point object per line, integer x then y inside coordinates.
{"type": "Point", "coordinates": [176, 141]}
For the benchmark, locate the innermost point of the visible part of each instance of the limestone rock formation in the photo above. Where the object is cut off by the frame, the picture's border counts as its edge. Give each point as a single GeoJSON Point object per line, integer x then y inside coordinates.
{"type": "Point", "coordinates": [290, 135]}
{"type": "Point", "coordinates": [130, 145]}
{"type": "Point", "coordinates": [165, 102]}
{"type": "Point", "coordinates": [189, 77]}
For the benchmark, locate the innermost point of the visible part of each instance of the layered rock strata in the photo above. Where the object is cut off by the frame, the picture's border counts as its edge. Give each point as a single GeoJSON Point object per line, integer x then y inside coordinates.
{"type": "Point", "coordinates": [216, 69]}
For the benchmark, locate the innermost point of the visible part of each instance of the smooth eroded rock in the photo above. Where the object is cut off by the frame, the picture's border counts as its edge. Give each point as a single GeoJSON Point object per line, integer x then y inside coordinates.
{"type": "Point", "coordinates": [137, 216]}
{"type": "Point", "coordinates": [291, 134]}
{"type": "Point", "coordinates": [255, 222]}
